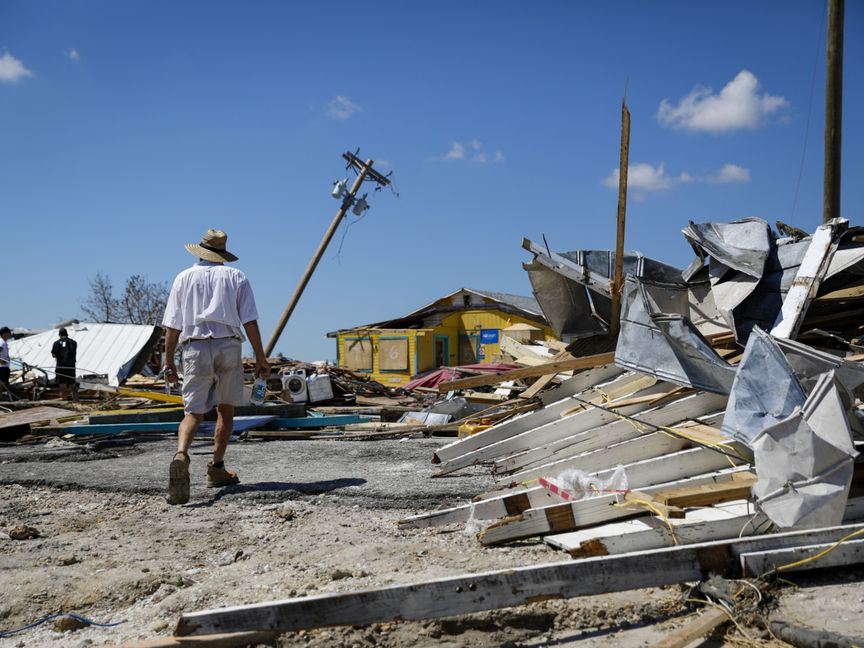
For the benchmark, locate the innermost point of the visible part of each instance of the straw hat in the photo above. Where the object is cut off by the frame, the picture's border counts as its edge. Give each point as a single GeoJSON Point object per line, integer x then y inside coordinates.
{"type": "Point", "coordinates": [212, 247]}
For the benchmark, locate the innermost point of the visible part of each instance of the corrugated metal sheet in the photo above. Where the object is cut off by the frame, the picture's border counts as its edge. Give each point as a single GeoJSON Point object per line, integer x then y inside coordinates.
{"type": "Point", "coordinates": [103, 349]}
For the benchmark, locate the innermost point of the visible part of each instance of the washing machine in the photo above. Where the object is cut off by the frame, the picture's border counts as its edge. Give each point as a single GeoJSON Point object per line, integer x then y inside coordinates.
{"type": "Point", "coordinates": [294, 385]}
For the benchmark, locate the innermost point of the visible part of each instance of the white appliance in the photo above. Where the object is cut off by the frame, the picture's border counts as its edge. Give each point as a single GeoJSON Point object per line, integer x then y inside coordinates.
{"type": "Point", "coordinates": [294, 384]}
{"type": "Point", "coordinates": [320, 387]}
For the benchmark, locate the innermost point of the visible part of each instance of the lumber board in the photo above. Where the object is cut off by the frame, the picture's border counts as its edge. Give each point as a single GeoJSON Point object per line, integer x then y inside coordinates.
{"type": "Point", "coordinates": [758, 563]}
{"type": "Point", "coordinates": [543, 381]}
{"type": "Point", "coordinates": [709, 494]}
{"type": "Point", "coordinates": [696, 628]}
{"type": "Point", "coordinates": [580, 381]}
{"type": "Point", "coordinates": [535, 521]}
{"type": "Point", "coordinates": [730, 521]}
{"type": "Point", "coordinates": [809, 277]}
{"type": "Point", "coordinates": [469, 593]}
{"type": "Point", "coordinates": [552, 424]}
{"type": "Point", "coordinates": [160, 397]}
{"type": "Point", "coordinates": [279, 423]}
{"type": "Point", "coordinates": [663, 470]}
{"type": "Point", "coordinates": [35, 415]}
{"type": "Point", "coordinates": [222, 640]}
{"type": "Point", "coordinates": [570, 364]}
{"type": "Point", "coordinates": [562, 400]}
{"type": "Point", "coordinates": [646, 446]}
{"type": "Point", "coordinates": [611, 433]}
{"type": "Point", "coordinates": [175, 414]}
{"type": "Point", "coordinates": [596, 439]}
{"type": "Point", "coordinates": [241, 423]}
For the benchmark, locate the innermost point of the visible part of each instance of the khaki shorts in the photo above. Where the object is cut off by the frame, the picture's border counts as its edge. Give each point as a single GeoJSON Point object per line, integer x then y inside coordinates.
{"type": "Point", "coordinates": [212, 374]}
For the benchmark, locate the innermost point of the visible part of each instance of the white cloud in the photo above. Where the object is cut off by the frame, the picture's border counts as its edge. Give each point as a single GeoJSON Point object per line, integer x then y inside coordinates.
{"type": "Point", "coordinates": [12, 69]}
{"type": "Point", "coordinates": [646, 177]}
{"type": "Point", "coordinates": [643, 176]}
{"type": "Point", "coordinates": [738, 105]}
{"type": "Point", "coordinates": [341, 108]}
{"type": "Point", "coordinates": [729, 173]}
{"type": "Point", "coordinates": [458, 151]}
{"type": "Point", "coordinates": [73, 54]}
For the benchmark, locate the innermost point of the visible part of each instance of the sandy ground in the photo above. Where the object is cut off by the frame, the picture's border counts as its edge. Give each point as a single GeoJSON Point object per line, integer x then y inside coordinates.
{"type": "Point", "coordinates": [310, 517]}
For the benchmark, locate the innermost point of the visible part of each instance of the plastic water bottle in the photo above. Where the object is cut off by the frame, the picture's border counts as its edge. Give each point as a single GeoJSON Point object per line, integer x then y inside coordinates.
{"type": "Point", "coordinates": [259, 387]}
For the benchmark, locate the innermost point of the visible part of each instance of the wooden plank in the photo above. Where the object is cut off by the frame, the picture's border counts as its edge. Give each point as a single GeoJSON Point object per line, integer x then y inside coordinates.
{"type": "Point", "coordinates": [549, 424]}
{"type": "Point", "coordinates": [543, 381]}
{"type": "Point", "coordinates": [611, 433]}
{"type": "Point", "coordinates": [241, 423]}
{"type": "Point", "coordinates": [316, 421]}
{"type": "Point", "coordinates": [469, 593]}
{"type": "Point", "coordinates": [846, 554]}
{"type": "Point", "coordinates": [705, 623]}
{"type": "Point", "coordinates": [489, 506]}
{"type": "Point", "coordinates": [713, 523]}
{"type": "Point", "coordinates": [810, 273]}
{"type": "Point", "coordinates": [709, 494]}
{"type": "Point", "coordinates": [225, 640]}
{"type": "Point", "coordinates": [561, 457]}
{"type": "Point", "coordinates": [161, 397]}
{"type": "Point", "coordinates": [551, 412]}
{"type": "Point", "coordinates": [646, 446]}
{"type": "Point", "coordinates": [35, 415]}
{"type": "Point", "coordinates": [571, 364]}
{"type": "Point", "coordinates": [175, 414]}
{"type": "Point", "coordinates": [646, 501]}
{"type": "Point", "coordinates": [534, 521]}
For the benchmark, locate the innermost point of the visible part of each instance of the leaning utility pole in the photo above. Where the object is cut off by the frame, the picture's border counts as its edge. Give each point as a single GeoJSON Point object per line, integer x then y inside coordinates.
{"type": "Point", "coordinates": [833, 111]}
{"type": "Point", "coordinates": [618, 279]}
{"type": "Point", "coordinates": [364, 171]}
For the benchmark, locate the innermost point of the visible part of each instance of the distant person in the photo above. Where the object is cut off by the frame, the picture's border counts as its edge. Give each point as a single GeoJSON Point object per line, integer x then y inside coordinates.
{"type": "Point", "coordinates": [65, 352]}
{"type": "Point", "coordinates": [209, 307]}
{"type": "Point", "coordinates": [5, 369]}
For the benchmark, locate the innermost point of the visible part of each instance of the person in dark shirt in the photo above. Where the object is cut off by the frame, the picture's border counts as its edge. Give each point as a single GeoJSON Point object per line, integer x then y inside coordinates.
{"type": "Point", "coordinates": [65, 351]}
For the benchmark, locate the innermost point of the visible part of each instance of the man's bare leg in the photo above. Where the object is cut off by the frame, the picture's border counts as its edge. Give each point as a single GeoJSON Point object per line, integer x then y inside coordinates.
{"type": "Point", "coordinates": [224, 428]}
{"type": "Point", "coordinates": [186, 431]}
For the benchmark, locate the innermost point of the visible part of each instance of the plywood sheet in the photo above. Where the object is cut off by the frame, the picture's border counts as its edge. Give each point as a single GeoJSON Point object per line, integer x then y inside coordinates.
{"type": "Point", "coordinates": [392, 354]}
{"type": "Point", "coordinates": [358, 353]}
{"type": "Point", "coordinates": [33, 415]}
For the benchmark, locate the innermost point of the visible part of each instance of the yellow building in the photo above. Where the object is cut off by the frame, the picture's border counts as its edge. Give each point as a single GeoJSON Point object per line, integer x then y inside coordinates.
{"type": "Point", "coordinates": [462, 328]}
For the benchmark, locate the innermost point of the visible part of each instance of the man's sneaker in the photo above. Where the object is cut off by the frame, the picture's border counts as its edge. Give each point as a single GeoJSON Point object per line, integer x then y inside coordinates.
{"type": "Point", "coordinates": [217, 475]}
{"type": "Point", "coordinates": [178, 479]}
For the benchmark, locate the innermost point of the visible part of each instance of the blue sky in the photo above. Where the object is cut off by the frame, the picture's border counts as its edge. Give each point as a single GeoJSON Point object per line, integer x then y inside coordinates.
{"type": "Point", "coordinates": [129, 128]}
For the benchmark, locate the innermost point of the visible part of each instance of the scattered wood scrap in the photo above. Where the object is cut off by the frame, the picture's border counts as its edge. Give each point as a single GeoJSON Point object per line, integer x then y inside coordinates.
{"type": "Point", "coordinates": [504, 588]}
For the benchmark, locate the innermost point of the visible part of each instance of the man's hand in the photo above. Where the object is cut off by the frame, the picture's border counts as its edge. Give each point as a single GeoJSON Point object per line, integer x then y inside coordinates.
{"type": "Point", "coordinates": [262, 367]}
{"type": "Point", "coordinates": [171, 373]}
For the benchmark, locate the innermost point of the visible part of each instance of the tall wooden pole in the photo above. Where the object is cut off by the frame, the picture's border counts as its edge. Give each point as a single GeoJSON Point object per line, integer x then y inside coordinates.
{"type": "Point", "coordinates": [310, 269]}
{"type": "Point", "coordinates": [618, 279]}
{"type": "Point", "coordinates": [833, 110]}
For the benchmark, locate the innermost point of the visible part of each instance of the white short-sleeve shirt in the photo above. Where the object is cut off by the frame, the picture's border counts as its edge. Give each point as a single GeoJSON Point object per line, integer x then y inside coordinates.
{"type": "Point", "coordinates": [210, 300]}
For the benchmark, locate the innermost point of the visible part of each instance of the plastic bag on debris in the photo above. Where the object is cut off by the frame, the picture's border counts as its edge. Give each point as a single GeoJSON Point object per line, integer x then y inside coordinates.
{"type": "Point", "coordinates": [474, 526]}
{"type": "Point", "coordinates": [581, 485]}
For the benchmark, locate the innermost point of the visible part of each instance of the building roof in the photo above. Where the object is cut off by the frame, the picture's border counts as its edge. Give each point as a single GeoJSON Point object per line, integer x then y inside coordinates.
{"type": "Point", "coordinates": [525, 306]}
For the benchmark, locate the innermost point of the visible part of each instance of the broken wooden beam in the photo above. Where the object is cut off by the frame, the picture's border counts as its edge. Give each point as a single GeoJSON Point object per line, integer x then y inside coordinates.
{"type": "Point", "coordinates": [709, 494]}
{"type": "Point", "coordinates": [697, 628]}
{"type": "Point", "coordinates": [504, 588]}
{"type": "Point", "coordinates": [558, 366]}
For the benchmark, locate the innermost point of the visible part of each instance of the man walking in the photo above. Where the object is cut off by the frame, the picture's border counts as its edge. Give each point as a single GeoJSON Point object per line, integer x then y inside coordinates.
{"type": "Point", "coordinates": [209, 307]}
{"type": "Point", "coordinates": [65, 351]}
{"type": "Point", "coordinates": [5, 368]}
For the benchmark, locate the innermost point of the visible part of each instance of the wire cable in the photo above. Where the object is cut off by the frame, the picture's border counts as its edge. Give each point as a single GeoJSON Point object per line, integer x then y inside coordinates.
{"type": "Point", "coordinates": [8, 633]}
